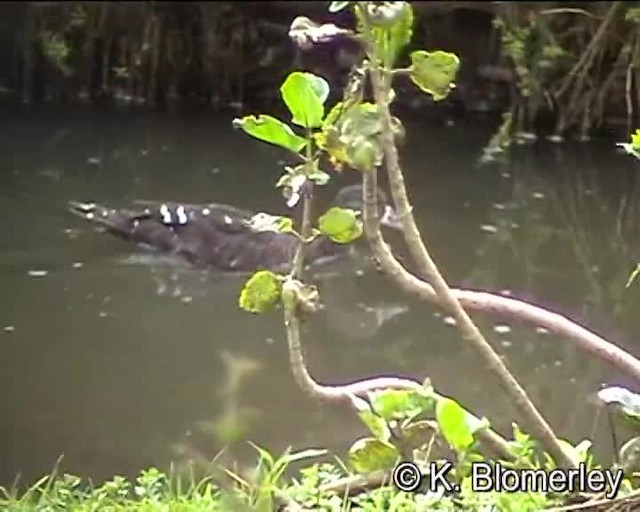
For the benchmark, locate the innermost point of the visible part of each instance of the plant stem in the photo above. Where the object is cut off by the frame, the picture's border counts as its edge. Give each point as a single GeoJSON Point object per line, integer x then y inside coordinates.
{"type": "Point", "coordinates": [427, 267]}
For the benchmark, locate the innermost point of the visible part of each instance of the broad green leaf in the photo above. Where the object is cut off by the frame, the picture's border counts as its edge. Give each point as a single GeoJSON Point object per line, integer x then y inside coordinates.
{"type": "Point", "coordinates": [340, 224]}
{"type": "Point", "coordinates": [274, 223]}
{"type": "Point", "coordinates": [305, 94]}
{"type": "Point", "coordinates": [375, 423]}
{"type": "Point", "coordinates": [397, 404]}
{"type": "Point", "coordinates": [391, 28]}
{"type": "Point", "coordinates": [401, 31]}
{"type": "Point", "coordinates": [261, 292]}
{"type": "Point", "coordinates": [271, 130]}
{"type": "Point", "coordinates": [338, 6]}
{"type": "Point", "coordinates": [364, 154]}
{"type": "Point", "coordinates": [351, 135]}
{"type": "Point", "coordinates": [320, 87]}
{"type": "Point", "coordinates": [418, 433]}
{"type": "Point", "coordinates": [456, 424]}
{"type": "Point", "coordinates": [368, 454]}
{"type": "Point", "coordinates": [434, 72]}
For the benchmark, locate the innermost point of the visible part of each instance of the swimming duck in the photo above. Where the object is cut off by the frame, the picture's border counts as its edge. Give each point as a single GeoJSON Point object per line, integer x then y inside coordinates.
{"type": "Point", "coordinates": [218, 235]}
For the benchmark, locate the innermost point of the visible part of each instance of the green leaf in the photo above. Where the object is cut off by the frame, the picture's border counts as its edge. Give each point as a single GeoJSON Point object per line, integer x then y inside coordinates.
{"type": "Point", "coordinates": [274, 223]}
{"type": "Point", "coordinates": [397, 404]}
{"type": "Point", "coordinates": [456, 424]}
{"type": "Point", "coordinates": [261, 292]}
{"type": "Point", "coordinates": [633, 147]}
{"type": "Point", "coordinates": [434, 72]}
{"type": "Point", "coordinates": [364, 154]}
{"type": "Point", "coordinates": [271, 130]}
{"type": "Point", "coordinates": [391, 28]}
{"type": "Point", "coordinates": [417, 434]}
{"type": "Point", "coordinates": [341, 225]}
{"type": "Point", "coordinates": [368, 454]}
{"type": "Point", "coordinates": [401, 31]}
{"type": "Point", "coordinates": [305, 94]}
{"type": "Point", "coordinates": [338, 6]}
{"type": "Point", "coordinates": [375, 423]}
{"type": "Point", "coordinates": [351, 135]}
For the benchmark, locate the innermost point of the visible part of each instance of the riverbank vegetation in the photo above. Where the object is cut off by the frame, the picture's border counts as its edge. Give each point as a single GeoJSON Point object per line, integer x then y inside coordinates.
{"type": "Point", "coordinates": [406, 420]}
{"type": "Point", "coordinates": [561, 69]}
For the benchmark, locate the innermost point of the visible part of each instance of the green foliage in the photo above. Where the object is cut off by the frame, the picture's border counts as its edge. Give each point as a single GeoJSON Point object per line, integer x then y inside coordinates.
{"type": "Point", "coordinates": [152, 490]}
{"type": "Point", "coordinates": [455, 424]}
{"type": "Point", "coordinates": [271, 130]}
{"type": "Point", "coordinates": [370, 454]}
{"type": "Point", "coordinates": [261, 292]}
{"type": "Point", "coordinates": [633, 15]}
{"type": "Point", "coordinates": [341, 225]}
{"type": "Point", "coordinates": [351, 135]}
{"type": "Point", "coordinates": [305, 94]}
{"type": "Point", "coordinates": [261, 491]}
{"type": "Point", "coordinates": [390, 26]}
{"type": "Point", "coordinates": [434, 72]}
{"type": "Point", "coordinates": [397, 404]}
{"type": "Point", "coordinates": [633, 146]}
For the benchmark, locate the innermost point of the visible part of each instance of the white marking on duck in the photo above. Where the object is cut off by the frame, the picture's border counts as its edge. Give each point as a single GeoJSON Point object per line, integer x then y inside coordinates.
{"type": "Point", "coordinates": [166, 214]}
{"type": "Point", "coordinates": [501, 329]}
{"type": "Point", "coordinates": [135, 223]}
{"type": "Point", "coordinates": [182, 216]}
{"type": "Point", "coordinates": [228, 220]}
{"type": "Point", "coordinates": [90, 216]}
{"type": "Point", "coordinates": [104, 213]}
{"type": "Point", "coordinates": [206, 211]}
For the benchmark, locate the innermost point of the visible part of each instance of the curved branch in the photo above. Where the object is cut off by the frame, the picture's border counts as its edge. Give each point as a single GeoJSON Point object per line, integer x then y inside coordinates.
{"type": "Point", "coordinates": [342, 393]}
{"type": "Point", "coordinates": [428, 268]}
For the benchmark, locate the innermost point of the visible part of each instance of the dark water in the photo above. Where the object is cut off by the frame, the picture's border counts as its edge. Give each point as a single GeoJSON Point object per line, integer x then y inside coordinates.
{"type": "Point", "coordinates": [120, 361]}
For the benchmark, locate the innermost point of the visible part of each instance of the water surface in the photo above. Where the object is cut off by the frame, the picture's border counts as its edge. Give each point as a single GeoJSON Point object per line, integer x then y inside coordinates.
{"type": "Point", "coordinates": [120, 361]}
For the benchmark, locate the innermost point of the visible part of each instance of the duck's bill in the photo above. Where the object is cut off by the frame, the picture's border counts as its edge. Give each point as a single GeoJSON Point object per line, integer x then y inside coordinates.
{"type": "Point", "coordinates": [390, 218]}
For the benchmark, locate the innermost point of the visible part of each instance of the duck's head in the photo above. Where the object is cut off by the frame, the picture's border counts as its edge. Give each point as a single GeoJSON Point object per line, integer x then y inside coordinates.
{"type": "Point", "coordinates": [351, 197]}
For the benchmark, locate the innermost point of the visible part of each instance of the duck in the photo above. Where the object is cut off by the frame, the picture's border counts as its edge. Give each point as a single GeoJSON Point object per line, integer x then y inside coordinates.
{"type": "Point", "coordinates": [219, 236]}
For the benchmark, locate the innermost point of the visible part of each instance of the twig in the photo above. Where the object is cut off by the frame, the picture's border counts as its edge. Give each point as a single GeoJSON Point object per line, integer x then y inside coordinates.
{"type": "Point", "coordinates": [588, 55]}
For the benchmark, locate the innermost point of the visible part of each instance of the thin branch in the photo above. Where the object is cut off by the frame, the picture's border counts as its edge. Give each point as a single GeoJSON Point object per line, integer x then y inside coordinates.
{"type": "Point", "coordinates": [427, 267]}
